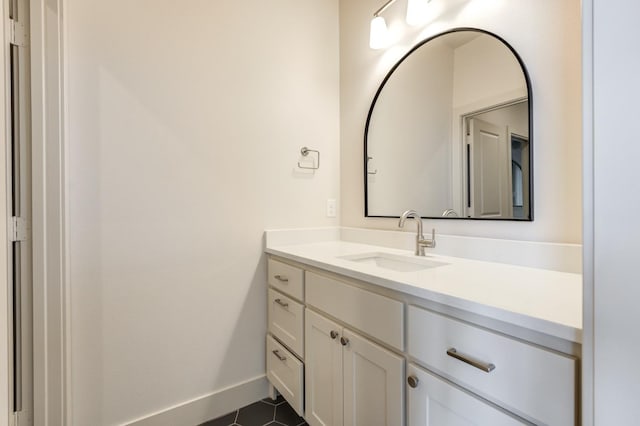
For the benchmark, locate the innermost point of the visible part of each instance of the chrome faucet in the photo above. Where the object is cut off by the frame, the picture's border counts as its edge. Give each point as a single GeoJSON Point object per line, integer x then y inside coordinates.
{"type": "Point", "coordinates": [449, 212]}
{"type": "Point", "coordinates": [421, 242]}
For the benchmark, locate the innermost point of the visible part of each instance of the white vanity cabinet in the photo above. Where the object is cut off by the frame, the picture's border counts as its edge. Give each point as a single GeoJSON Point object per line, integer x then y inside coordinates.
{"type": "Point", "coordinates": [285, 340]}
{"type": "Point", "coordinates": [286, 321]}
{"type": "Point", "coordinates": [345, 352]}
{"type": "Point", "coordinates": [324, 389]}
{"type": "Point", "coordinates": [432, 401]}
{"type": "Point", "coordinates": [378, 316]}
{"type": "Point", "coordinates": [286, 278]}
{"type": "Point", "coordinates": [535, 383]}
{"type": "Point", "coordinates": [286, 373]}
{"type": "Point", "coordinates": [350, 381]}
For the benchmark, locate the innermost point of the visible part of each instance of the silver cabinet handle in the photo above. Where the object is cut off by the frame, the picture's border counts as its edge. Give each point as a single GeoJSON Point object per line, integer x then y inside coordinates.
{"type": "Point", "coordinates": [277, 354]}
{"type": "Point", "coordinates": [281, 303]}
{"type": "Point", "coordinates": [344, 341]}
{"type": "Point", "coordinates": [413, 381]}
{"type": "Point", "coordinates": [333, 334]}
{"type": "Point", "coordinates": [487, 368]}
{"type": "Point", "coordinates": [281, 278]}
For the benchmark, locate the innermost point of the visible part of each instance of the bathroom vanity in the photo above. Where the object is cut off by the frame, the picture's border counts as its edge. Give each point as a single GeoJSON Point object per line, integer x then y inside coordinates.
{"type": "Point", "coordinates": [364, 334]}
{"type": "Point", "coordinates": [368, 335]}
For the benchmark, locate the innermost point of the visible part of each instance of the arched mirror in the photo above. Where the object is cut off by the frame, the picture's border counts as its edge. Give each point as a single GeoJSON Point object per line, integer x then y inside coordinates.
{"type": "Point", "coordinates": [446, 130]}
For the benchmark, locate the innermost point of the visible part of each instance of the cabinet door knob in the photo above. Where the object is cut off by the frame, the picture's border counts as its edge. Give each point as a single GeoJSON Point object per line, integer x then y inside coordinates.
{"type": "Point", "coordinates": [333, 334]}
{"type": "Point", "coordinates": [344, 341]}
{"type": "Point", "coordinates": [281, 278]}
{"type": "Point", "coordinates": [413, 381]}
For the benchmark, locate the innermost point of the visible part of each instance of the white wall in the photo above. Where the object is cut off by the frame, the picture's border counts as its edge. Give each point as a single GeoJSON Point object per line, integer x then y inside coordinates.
{"type": "Point", "coordinates": [416, 102]}
{"type": "Point", "coordinates": [185, 121]}
{"type": "Point", "coordinates": [546, 34]}
{"type": "Point", "coordinates": [486, 74]}
{"type": "Point", "coordinates": [611, 286]}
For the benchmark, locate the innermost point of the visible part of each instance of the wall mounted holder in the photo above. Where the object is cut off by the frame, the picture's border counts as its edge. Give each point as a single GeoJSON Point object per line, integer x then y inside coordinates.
{"type": "Point", "coordinates": [371, 172]}
{"type": "Point", "coordinates": [305, 152]}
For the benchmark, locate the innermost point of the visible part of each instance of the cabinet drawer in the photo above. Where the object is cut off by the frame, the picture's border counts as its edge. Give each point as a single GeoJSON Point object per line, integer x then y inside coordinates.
{"type": "Point", "coordinates": [435, 402]}
{"type": "Point", "coordinates": [286, 321]}
{"type": "Point", "coordinates": [528, 380]}
{"type": "Point", "coordinates": [285, 372]}
{"type": "Point", "coordinates": [286, 278]}
{"type": "Point", "coordinates": [375, 315]}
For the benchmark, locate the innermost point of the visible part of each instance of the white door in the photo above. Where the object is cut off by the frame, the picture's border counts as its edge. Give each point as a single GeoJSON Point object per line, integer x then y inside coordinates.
{"type": "Point", "coordinates": [490, 170]}
{"type": "Point", "coordinates": [373, 383]}
{"type": "Point", "coordinates": [323, 371]}
{"type": "Point", "coordinates": [434, 402]}
{"type": "Point", "coordinates": [20, 248]}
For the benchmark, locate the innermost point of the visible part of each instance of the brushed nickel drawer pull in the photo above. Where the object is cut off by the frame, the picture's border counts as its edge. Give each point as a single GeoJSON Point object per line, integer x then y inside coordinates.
{"type": "Point", "coordinates": [281, 303]}
{"type": "Point", "coordinates": [487, 368]}
{"type": "Point", "coordinates": [280, 357]}
{"type": "Point", "coordinates": [281, 278]}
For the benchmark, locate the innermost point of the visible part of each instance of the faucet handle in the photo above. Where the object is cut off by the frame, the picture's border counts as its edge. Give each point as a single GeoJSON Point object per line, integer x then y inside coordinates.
{"type": "Point", "coordinates": [433, 238]}
{"type": "Point", "coordinates": [428, 243]}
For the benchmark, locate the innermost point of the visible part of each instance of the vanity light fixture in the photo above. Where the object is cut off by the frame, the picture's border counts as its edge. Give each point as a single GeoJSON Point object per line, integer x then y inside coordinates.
{"type": "Point", "coordinates": [417, 12]}
{"type": "Point", "coordinates": [379, 36]}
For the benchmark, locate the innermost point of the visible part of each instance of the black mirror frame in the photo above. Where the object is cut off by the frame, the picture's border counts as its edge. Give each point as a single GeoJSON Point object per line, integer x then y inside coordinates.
{"type": "Point", "coordinates": [529, 104]}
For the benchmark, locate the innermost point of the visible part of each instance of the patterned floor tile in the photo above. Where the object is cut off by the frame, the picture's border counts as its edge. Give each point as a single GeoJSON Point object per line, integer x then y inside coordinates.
{"type": "Point", "coordinates": [266, 412]}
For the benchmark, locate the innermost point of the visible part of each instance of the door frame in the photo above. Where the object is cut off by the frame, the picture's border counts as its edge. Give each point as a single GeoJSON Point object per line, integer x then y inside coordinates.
{"type": "Point", "coordinates": [588, 221]}
{"type": "Point", "coordinates": [51, 296]}
{"type": "Point", "coordinates": [460, 128]}
{"type": "Point", "coordinates": [526, 182]}
{"type": "Point", "coordinates": [6, 416]}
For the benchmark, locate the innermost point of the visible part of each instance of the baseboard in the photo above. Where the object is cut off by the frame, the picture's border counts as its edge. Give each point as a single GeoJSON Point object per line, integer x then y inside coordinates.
{"type": "Point", "coordinates": [207, 407]}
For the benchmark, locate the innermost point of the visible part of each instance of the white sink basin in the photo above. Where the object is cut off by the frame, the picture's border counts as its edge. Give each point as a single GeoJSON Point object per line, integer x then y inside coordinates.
{"type": "Point", "coordinates": [394, 262]}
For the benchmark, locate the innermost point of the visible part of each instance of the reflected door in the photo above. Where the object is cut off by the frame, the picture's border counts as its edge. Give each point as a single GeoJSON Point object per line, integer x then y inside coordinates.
{"type": "Point", "coordinates": [520, 172]}
{"type": "Point", "coordinates": [489, 177]}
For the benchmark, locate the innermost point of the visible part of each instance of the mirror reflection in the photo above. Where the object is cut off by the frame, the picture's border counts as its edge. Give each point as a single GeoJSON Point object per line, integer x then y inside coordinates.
{"type": "Point", "coordinates": [448, 132]}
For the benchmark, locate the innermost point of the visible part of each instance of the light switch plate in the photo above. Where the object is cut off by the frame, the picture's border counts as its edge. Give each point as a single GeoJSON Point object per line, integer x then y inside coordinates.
{"type": "Point", "coordinates": [331, 207]}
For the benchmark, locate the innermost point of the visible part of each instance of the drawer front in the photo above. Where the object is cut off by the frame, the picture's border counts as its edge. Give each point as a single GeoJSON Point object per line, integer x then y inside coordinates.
{"type": "Point", "coordinates": [532, 382]}
{"type": "Point", "coordinates": [286, 321]}
{"type": "Point", "coordinates": [285, 372]}
{"type": "Point", "coordinates": [375, 315]}
{"type": "Point", "coordinates": [286, 278]}
{"type": "Point", "coordinates": [435, 402]}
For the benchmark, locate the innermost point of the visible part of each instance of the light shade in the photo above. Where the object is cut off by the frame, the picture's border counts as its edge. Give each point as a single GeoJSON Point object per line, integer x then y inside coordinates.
{"type": "Point", "coordinates": [417, 12]}
{"type": "Point", "coordinates": [379, 36]}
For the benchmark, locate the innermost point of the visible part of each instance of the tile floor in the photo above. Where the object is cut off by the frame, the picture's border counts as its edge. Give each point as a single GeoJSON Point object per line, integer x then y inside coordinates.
{"type": "Point", "coordinates": [266, 412]}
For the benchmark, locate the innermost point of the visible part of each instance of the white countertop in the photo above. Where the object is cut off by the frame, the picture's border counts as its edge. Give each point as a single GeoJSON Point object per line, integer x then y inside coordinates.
{"type": "Point", "coordinates": [542, 300]}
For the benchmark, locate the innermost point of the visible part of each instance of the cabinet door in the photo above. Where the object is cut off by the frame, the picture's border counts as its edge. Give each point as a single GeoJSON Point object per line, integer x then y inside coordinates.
{"type": "Point", "coordinates": [373, 383]}
{"type": "Point", "coordinates": [323, 371]}
{"type": "Point", "coordinates": [434, 402]}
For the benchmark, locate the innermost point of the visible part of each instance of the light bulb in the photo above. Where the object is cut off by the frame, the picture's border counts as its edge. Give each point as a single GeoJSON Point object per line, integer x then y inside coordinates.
{"type": "Point", "coordinates": [417, 12]}
{"type": "Point", "coordinates": [378, 38]}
